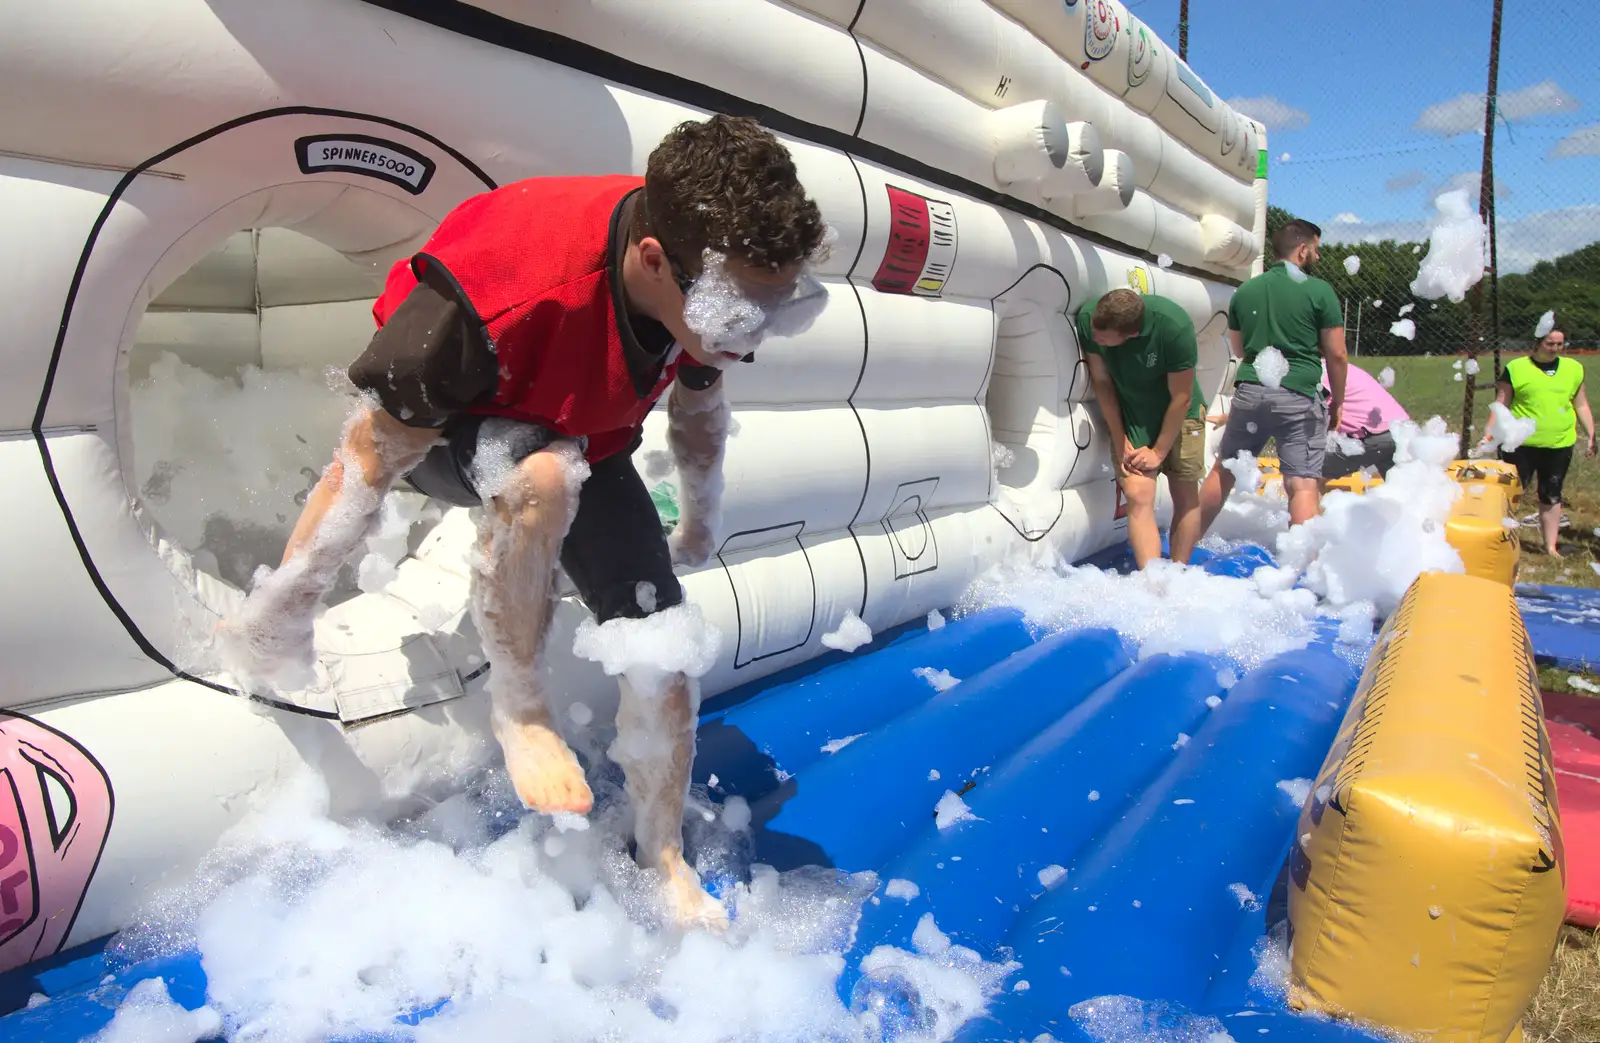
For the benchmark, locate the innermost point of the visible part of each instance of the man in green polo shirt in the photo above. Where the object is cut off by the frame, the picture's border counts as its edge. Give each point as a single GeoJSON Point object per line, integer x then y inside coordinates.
{"type": "Point", "coordinates": [1546, 387]}
{"type": "Point", "coordinates": [1142, 353]}
{"type": "Point", "coordinates": [1284, 316]}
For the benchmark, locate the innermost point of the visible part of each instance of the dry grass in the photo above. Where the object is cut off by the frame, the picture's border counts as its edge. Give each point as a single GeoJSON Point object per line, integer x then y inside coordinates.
{"type": "Point", "coordinates": [1567, 1006]}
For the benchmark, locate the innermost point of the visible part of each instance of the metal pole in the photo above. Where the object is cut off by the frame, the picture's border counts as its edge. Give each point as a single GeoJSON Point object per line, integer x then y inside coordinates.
{"type": "Point", "coordinates": [1359, 305]}
{"type": "Point", "coordinates": [1183, 29]}
{"type": "Point", "coordinates": [1485, 211]}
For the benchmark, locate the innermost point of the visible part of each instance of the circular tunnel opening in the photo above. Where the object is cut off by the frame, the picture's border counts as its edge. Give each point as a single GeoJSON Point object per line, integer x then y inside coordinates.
{"type": "Point", "coordinates": [237, 396]}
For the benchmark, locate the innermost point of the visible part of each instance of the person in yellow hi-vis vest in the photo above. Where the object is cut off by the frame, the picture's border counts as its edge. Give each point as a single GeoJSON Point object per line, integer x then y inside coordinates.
{"type": "Point", "coordinates": [1546, 387]}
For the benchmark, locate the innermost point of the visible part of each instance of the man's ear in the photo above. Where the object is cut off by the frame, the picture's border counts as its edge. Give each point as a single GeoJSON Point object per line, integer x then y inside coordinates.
{"type": "Point", "coordinates": [653, 258]}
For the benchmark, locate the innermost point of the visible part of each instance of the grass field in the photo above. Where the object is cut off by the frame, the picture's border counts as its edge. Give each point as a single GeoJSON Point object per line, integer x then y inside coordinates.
{"type": "Point", "coordinates": [1567, 1007]}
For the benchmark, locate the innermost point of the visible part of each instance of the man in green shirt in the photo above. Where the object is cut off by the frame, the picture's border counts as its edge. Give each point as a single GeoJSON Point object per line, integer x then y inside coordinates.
{"type": "Point", "coordinates": [1142, 353]}
{"type": "Point", "coordinates": [1284, 316]}
{"type": "Point", "coordinates": [1546, 387]}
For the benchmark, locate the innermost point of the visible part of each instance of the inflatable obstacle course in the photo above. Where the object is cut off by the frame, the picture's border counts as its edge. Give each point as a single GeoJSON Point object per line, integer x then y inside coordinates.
{"type": "Point", "coordinates": [1428, 872]}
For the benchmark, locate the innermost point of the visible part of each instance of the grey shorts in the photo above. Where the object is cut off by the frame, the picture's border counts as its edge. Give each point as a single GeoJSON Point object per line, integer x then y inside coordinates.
{"type": "Point", "coordinates": [1376, 451]}
{"type": "Point", "coordinates": [1298, 424]}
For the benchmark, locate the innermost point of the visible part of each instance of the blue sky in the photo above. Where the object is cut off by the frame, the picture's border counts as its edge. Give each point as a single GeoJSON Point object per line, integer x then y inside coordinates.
{"type": "Point", "coordinates": [1347, 83]}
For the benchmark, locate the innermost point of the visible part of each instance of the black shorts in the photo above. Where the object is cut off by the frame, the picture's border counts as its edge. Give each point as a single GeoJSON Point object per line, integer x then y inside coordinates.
{"type": "Point", "coordinates": [1376, 451]}
{"type": "Point", "coordinates": [616, 541]}
{"type": "Point", "coordinates": [1550, 465]}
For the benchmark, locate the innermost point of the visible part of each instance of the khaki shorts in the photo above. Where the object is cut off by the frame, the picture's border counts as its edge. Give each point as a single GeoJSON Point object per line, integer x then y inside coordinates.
{"type": "Point", "coordinates": [1186, 460]}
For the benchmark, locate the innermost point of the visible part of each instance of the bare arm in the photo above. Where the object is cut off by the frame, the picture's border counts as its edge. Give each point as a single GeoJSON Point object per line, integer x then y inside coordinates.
{"type": "Point", "coordinates": [382, 446]}
{"type": "Point", "coordinates": [1180, 386]}
{"type": "Point", "coordinates": [1338, 362]}
{"type": "Point", "coordinates": [1581, 401]}
{"type": "Point", "coordinates": [697, 436]}
{"type": "Point", "coordinates": [1105, 392]}
{"type": "Point", "coordinates": [1236, 343]}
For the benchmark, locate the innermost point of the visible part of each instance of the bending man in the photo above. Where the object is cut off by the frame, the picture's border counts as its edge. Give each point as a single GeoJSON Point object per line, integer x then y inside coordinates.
{"type": "Point", "coordinates": [1547, 388]}
{"type": "Point", "coordinates": [1142, 354]}
{"type": "Point", "coordinates": [1368, 415]}
{"type": "Point", "coordinates": [517, 356]}
{"type": "Point", "coordinates": [1298, 317]}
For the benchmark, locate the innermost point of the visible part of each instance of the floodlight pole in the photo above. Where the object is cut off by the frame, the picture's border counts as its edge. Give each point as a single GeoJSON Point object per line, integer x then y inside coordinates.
{"type": "Point", "coordinates": [1486, 212]}
{"type": "Point", "coordinates": [1183, 29]}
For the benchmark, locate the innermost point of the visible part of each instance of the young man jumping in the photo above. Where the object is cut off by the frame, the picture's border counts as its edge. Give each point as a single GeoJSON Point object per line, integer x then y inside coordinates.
{"type": "Point", "coordinates": [516, 358]}
{"type": "Point", "coordinates": [1142, 356]}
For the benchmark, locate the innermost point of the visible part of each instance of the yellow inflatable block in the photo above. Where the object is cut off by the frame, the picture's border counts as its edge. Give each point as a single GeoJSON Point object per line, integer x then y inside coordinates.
{"type": "Point", "coordinates": [1357, 483]}
{"type": "Point", "coordinates": [1496, 472]}
{"type": "Point", "coordinates": [1476, 529]}
{"type": "Point", "coordinates": [1427, 876]}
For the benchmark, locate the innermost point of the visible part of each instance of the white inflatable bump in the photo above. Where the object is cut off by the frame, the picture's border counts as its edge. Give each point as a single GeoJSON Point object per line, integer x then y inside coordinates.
{"type": "Point", "coordinates": [1114, 191]}
{"type": "Point", "coordinates": [1030, 141]}
{"type": "Point", "coordinates": [1084, 168]}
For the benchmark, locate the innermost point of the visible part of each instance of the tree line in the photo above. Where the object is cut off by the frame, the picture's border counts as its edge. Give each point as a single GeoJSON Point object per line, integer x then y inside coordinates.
{"type": "Point", "coordinates": [1569, 285]}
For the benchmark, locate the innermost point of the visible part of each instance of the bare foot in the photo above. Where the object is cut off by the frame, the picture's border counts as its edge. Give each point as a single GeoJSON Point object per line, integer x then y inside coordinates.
{"type": "Point", "coordinates": [687, 903]}
{"type": "Point", "coordinates": [543, 768]}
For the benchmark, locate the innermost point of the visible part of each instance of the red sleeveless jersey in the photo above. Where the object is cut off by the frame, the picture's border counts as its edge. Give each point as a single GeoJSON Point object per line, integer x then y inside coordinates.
{"type": "Point", "coordinates": [531, 259]}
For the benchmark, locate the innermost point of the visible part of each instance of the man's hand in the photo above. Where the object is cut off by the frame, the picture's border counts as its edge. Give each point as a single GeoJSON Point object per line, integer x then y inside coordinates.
{"type": "Point", "coordinates": [1141, 461]}
{"type": "Point", "coordinates": [1335, 414]}
{"type": "Point", "coordinates": [1591, 445]}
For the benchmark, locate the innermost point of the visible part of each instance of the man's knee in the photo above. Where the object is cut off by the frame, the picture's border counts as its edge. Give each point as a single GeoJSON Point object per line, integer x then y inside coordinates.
{"type": "Point", "coordinates": [538, 491]}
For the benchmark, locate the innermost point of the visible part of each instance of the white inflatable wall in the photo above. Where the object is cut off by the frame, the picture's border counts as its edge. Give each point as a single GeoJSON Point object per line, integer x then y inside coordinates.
{"type": "Point", "coordinates": [987, 167]}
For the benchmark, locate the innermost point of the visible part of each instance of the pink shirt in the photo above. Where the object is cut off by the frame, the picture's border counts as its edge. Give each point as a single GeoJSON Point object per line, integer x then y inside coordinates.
{"type": "Point", "coordinates": [1367, 406]}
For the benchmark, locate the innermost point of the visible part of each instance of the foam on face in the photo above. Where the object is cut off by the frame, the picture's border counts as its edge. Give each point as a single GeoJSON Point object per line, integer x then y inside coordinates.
{"type": "Point", "coordinates": [1455, 259]}
{"type": "Point", "coordinates": [1271, 366]}
{"type": "Point", "coordinates": [295, 921]}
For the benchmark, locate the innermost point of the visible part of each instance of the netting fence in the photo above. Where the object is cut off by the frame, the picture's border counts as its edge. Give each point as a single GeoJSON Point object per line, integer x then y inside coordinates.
{"type": "Point", "coordinates": [1373, 113]}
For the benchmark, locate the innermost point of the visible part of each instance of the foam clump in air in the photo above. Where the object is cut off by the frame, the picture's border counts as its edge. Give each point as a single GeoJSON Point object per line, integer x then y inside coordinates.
{"type": "Point", "coordinates": [1386, 376]}
{"type": "Point", "coordinates": [1369, 547]}
{"type": "Point", "coordinates": [1471, 368]}
{"type": "Point", "coordinates": [850, 635]}
{"type": "Point", "coordinates": [1455, 259]}
{"type": "Point", "coordinates": [904, 890]}
{"type": "Point", "coordinates": [1506, 431]}
{"type": "Point", "coordinates": [1271, 366]}
{"type": "Point", "coordinates": [1164, 261]}
{"type": "Point", "coordinates": [1406, 328]}
{"type": "Point", "coordinates": [310, 930]}
{"type": "Point", "coordinates": [647, 651]}
{"type": "Point", "coordinates": [1407, 309]}
{"type": "Point", "coordinates": [148, 1014]}
{"type": "Point", "coordinates": [1546, 323]}
{"type": "Point", "coordinates": [1352, 264]}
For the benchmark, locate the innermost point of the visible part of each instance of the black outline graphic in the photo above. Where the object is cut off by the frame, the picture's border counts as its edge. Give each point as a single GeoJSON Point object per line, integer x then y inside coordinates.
{"type": "Point", "coordinates": [919, 491]}
{"type": "Point", "coordinates": [302, 157]}
{"type": "Point", "coordinates": [799, 527]}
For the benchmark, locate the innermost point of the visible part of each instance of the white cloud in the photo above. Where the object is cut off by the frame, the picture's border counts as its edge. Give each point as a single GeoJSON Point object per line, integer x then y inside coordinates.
{"type": "Point", "coordinates": [1270, 112]}
{"type": "Point", "coordinates": [1585, 142]}
{"type": "Point", "coordinates": [1407, 180]}
{"type": "Point", "coordinates": [1463, 114]}
{"type": "Point", "coordinates": [1523, 241]}
{"type": "Point", "coordinates": [1346, 218]}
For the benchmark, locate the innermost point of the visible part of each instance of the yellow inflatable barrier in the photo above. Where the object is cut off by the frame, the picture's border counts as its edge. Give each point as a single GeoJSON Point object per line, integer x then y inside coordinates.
{"type": "Point", "coordinates": [1495, 472]}
{"type": "Point", "coordinates": [1427, 876]}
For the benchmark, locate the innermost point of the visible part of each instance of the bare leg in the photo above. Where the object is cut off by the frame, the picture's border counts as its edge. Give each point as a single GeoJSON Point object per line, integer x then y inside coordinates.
{"type": "Point", "coordinates": [1304, 499]}
{"type": "Point", "coordinates": [1213, 494]}
{"type": "Point", "coordinates": [269, 641]}
{"type": "Point", "coordinates": [1550, 527]}
{"type": "Point", "coordinates": [1185, 518]}
{"type": "Point", "coordinates": [1144, 535]}
{"type": "Point", "coordinates": [655, 746]}
{"type": "Point", "coordinates": [520, 536]}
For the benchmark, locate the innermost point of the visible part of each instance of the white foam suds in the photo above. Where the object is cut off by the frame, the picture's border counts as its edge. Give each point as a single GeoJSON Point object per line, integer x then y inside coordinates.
{"type": "Point", "coordinates": [1247, 898]}
{"type": "Point", "coordinates": [1471, 368]}
{"type": "Point", "coordinates": [1352, 264]}
{"type": "Point", "coordinates": [678, 639]}
{"type": "Point", "coordinates": [1546, 323]}
{"type": "Point", "coordinates": [1051, 875]}
{"type": "Point", "coordinates": [904, 890]}
{"type": "Point", "coordinates": [1164, 261]}
{"type": "Point", "coordinates": [835, 745]}
{"type": "Point", "coordinates": [1505, 432]}
{"type": "Point", "coordinates": [1124, 1019]}
{"type": "Point", "coordinates": [1406, 309]}
{"type": "Point", "coordinates": [1296, 789]}
{"type": "Point", "coordinates": [295, 918]}
{"type": "Point", "coordinates": [1406, 328]}
{"type": "Point", "coordinates": [1455, 259]}
{"type": "Point", "coordinates": [939, 679]}
{"type": "Point", "coordinates": [935, 620]}
{"type": "Point", "coordinates": [1271, 366]}
{"type": "Point", "coordinates": [1583, 684]}
{"type": "Point", "coordinates": [951, 810]}
{"type": "Point", "coordinates": [1386, 376]}
{"type": "Point", "coordinates": [850, 635]}
{"type": "Point", "coordinates": [1346, 444]}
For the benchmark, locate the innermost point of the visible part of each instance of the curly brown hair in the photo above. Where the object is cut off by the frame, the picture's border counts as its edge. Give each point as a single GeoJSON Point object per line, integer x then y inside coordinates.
{"type": "Point", "coordinates": [727, 184]}
{"type": "Point", "coordinates": [1121, 311]}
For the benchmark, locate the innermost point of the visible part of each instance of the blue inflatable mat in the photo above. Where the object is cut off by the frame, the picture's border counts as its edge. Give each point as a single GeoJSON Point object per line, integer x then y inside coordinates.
{"type": "Point", "coordinates": [1125, 822]}
{"type": "Point", "coordinates": [1563, 625]}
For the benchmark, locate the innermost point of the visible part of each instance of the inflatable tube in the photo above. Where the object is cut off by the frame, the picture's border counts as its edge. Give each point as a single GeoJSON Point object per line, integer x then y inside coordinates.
{"type": "Point", "coordinates": [1430, 851]}
{"type": "Point", "coordinates": [1563, 625]}
{"type": "Point", "coordinates": [1477, 530]}
{"type": "Point", "coordinates": [1575, 756]}
{"type": "Point", "coordinates": [205, 181]}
